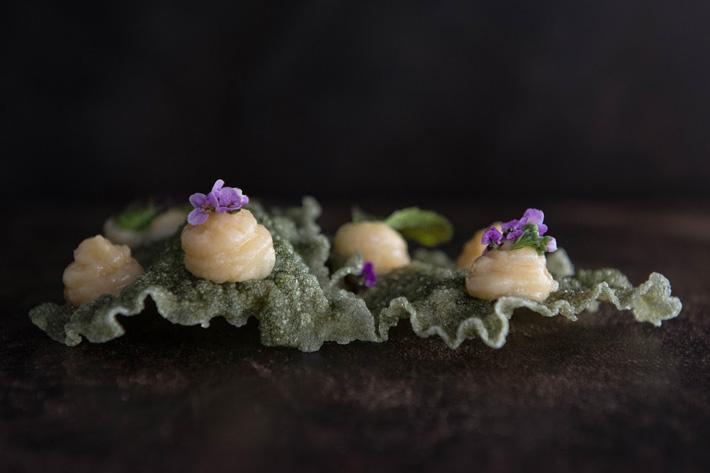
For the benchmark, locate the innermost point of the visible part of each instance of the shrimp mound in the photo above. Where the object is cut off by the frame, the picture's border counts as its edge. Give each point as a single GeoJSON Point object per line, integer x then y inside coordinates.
{"type": "Point", "coordinates": [473, 248]}
{"type": "Point", "coordinates": [166, 224]}
{"type": "Point", "coordinates": [377, 242]}
{"type": "Point", "coordinates": [229, 247]}
{"type": "Point", "coordinates": [99, 268]}
{"type": "Point", "coordinates": [520, 273]}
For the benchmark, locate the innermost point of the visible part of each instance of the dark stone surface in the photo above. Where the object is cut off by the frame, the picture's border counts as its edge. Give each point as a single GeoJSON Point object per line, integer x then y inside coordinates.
{"type": "Point", "coordinates": [604, 393]}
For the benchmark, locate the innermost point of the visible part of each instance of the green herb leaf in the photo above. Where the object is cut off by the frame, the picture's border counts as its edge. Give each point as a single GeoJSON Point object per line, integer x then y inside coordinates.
{"type": "Point", "coordinates": [532, 239]}
{"type": "Point", "coordinates": [425, 227]}
{"type": "Point", "coordinates": [136, 217]}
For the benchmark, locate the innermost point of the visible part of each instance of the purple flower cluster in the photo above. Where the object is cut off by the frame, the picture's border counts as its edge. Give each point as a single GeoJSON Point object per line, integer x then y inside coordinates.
{"type": "Point", "coordinates": [220, 199]}
{"type": "Point", "coordinates": [369, 278]}
{"type": "Point", "coordinates": [515, 228]}
{"type": "Point", "coordinates": [551, 244]}
{"type": "Point", "coordinates": [520, 232]}
{"type": "Point", "coordinates": [492, 236]}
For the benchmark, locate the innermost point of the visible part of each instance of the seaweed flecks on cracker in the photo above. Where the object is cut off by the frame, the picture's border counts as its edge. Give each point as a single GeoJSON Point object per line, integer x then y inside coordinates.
{"type": "Point", "coordinates": [302, 303]}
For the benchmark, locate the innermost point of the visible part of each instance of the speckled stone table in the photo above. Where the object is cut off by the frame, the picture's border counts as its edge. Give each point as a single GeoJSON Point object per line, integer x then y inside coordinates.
{"type": "Point", "coordinates": [602, 394]}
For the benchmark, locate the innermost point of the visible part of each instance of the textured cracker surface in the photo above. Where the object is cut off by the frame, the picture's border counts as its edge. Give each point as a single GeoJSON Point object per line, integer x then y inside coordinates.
{"type": "Point", "coordinates": [302, 305]}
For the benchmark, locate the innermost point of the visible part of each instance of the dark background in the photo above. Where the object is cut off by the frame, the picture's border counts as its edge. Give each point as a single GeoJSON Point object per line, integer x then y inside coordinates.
{"type": "Point", "coordinates": [110, 101]}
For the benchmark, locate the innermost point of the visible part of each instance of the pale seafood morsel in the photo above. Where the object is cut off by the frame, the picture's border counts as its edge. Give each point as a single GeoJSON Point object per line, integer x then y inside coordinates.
{"type": "Point", "coordinates": [162, 226]}
{"type": "Point", "coordinates": [99, 268]}
{"type": "Point", "coordinates": [521, 273]}
{"type": "Point", "coordinates": [228, 247]}
{"type": "Point", "coordinates": [473, 248]}
{"type": "Point", "coordinates": [122, 236]}
{"type": "Point", "coordinates": [166, 224]}
{"type": "Point", "coordinates": [377, 242]}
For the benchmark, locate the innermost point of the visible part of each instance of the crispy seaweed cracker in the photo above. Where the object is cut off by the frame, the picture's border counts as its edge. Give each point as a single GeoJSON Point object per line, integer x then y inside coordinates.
{"type": "Point", "coordinates": [435, 301]}
{"type": "Point", "coordinates": [301, 304]}
{"type": "Point", "coordinates": [297, 305]}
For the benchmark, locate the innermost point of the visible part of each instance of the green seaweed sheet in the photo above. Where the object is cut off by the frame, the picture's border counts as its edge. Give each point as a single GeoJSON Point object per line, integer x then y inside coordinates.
{"type": "Point", "coordinates": [302, 304]}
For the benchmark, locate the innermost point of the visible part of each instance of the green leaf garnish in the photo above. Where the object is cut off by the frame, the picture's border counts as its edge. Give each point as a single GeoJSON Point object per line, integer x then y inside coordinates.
{"type": "Point", "coordinates": [531, 239]}
{"type": "Point", "coordinates": [137, 217]}
{"type": "Point", "coordinates": [425, 227]}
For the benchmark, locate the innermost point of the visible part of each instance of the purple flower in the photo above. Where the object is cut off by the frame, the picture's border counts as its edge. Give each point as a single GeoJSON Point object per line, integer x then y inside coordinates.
{"type": "Point", "coordinates": [226, 199]}
{"type": "Point", "coordinates": [535, 217]}
{"type": "Point", "coordinates": [492, 237]}
{"type": "Point", "coordinates": [514, 229]}
{"type": "Point", "coordinates": [369, 278]}
{"type": "Point", "coordinates": [518, 232]}
{"type": "Point", "coordinates": [231, 198]}
{"type": "Point", "coordinates": [514, 234]}
{"type": "Point", "coordinates": [511, 229]}
{"type": "Point", "coordinates": [220, 199]}
{"type": "Point", "coordinates": [551, 245]}
{"type": "Point", "coordinates": [509, 225]}
{"type": "Point", "coordinates": [199, 215]}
